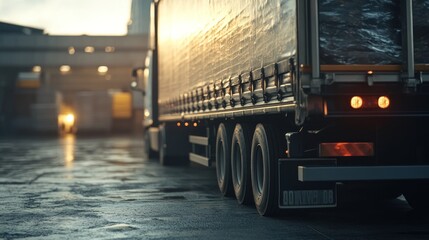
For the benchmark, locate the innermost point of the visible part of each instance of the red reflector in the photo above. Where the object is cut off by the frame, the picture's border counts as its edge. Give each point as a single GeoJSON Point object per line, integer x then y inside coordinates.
{"type": "Point", "coordinates": [346, 149]}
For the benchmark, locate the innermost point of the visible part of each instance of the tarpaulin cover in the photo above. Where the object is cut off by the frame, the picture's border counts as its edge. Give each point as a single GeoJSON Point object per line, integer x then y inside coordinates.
{"type": "Point", "coordinates": [421, 30]}
{"type": "Point", "coordinates": [208, 40]}
{"type": "Point", "coordinates": [360, 32]}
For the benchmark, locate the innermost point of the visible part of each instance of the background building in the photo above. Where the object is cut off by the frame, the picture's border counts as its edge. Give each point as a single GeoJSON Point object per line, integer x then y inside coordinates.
{"type": "Point", "coordinates": [43, 77]}
{"type": "Point", "coordinates": [140, 17]}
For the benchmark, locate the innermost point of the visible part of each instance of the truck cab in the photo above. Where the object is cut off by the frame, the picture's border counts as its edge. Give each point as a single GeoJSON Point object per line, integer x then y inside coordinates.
{"type": "Point", "coordinates": [142, 81]}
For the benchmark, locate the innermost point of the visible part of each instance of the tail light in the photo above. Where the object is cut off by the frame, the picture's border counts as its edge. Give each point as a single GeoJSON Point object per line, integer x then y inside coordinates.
{"type": "Point", "coordinates": [369, 102]}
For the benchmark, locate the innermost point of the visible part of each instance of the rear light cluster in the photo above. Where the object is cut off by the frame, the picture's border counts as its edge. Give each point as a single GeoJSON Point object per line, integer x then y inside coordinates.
{"type": "Point", "coordinates": [346, 149]}
{"type": "Point", "coordinates": [360, 102]}
{"type": "Point", "coordinates": [187, 124]}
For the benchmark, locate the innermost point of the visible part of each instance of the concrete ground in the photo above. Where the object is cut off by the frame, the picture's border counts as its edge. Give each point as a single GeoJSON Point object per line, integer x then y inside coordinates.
{"type": "Point", "coordinates": [102, 188]}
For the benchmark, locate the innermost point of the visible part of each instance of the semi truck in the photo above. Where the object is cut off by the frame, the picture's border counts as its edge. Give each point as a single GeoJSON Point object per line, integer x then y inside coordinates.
{"type": "Point", "coordinates": [292, 100]}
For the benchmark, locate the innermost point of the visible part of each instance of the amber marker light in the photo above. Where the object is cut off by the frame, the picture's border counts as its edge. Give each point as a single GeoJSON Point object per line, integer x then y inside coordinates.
{"type": "Point", "coordinates": [179, 124]}
{"type": "Point", "coordinates": [89, 49]}
{"type": "Point", "coordinates": [195, 124]}
{"type": "Point", "coordinates": [72, 50]}
{"type": "Point", "coordinates": [383, 102]}
{"type": "Point", "coordinates": [109, 49]}
{"type": "Point", "coordinates": [186, 124]}
{"type": "Point", "coordinates": [356, 102]}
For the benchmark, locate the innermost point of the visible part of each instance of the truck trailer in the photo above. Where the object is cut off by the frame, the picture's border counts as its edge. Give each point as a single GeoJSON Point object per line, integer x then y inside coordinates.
{"type": "Point", "coordinates": [290, 100]}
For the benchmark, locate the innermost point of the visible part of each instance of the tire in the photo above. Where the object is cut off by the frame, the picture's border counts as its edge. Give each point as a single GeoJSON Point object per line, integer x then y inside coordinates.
{"type": "Point", "coordinates": [264, 171]}
{"type": "Point", "coordinates": [223, 159]}
{"type": "Point", "coordinates": [240, 163]}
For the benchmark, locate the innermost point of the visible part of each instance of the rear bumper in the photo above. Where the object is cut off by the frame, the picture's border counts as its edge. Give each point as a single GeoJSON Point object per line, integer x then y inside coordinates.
{"type": "Point", "coordinates": [362, 173]}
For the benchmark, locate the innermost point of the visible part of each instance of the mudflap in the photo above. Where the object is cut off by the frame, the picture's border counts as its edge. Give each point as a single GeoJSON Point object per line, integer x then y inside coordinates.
{"type": "Point", "coordinates": [295, 194]}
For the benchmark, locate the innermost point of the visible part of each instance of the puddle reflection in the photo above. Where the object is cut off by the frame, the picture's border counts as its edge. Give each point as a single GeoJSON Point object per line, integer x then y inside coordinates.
{"type": "Point", "coordinates": [68, 142]}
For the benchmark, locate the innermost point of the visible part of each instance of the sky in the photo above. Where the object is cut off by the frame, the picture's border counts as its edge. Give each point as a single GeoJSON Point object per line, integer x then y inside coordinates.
{"type": "Point", "coordinates": [69, 17]}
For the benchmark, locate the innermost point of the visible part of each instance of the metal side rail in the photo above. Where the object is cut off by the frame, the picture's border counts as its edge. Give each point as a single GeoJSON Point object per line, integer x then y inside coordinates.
{"type": "Point", "coordinates": [362, 173]}
{"type": "Point", "coordinates": [194, 156]}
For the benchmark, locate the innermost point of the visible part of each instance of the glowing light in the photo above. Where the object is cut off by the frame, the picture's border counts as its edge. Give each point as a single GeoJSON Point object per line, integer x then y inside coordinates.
{"type": "Point", "coordinates": [346, 149]}
{"type": "Point", "coordinates": [325, 108]}
{"type": "Point", "coordinates": [179, 124]}
{"type": "Point", "coordinates": [195, 124]}
{"type": "Point", "coordinates": [370, 72]}
{"type": "Point", "coordinates": [72, 50]}
{"type": "Point", "coordinates": [383, 102]}
{"type": "Point", "coordinates": [186, 124]}
{"type": "Point", "coordinates": [146, 73]}
{"type": "Point", "coordinates": [134, 84]}
{"type": "Point", "coordinates": [66, 122]}
{"type": "Point", "coordinates": [146, 113]}
{"type": "Point", "coordinates": [68, 144]}
{"type": "Point", "coordinates": [69, 119]}
{"type": "Point", "coordinates": [103, 69]}
{"type": "Point", "coordinates": [109, 49]}
{"type": "Point", "coordinates": [89, 49]}
{"type": "Point", "coordinates": [37, 69]}
{"type": "Point", "coordinates": [65, 68]}
{"type": "Point", "coordinates": [147, 61]}
{"type": "Point", "coordinates": [356, 102]}
{"type": "Point", "coordinates": [140, 71]}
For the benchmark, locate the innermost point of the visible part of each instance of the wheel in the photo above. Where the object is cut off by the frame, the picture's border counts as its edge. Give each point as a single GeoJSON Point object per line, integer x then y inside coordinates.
{"type": "Point", "coordinates": [264, 171]}
{"type": "Point", "coordinates": [417, 196]}
{"type": "Point", "coordinates": [223, 159]}
{"type": "Point", "coordinates": [240, 163]}
{"type": "Point", "coordinates": [148, 152]}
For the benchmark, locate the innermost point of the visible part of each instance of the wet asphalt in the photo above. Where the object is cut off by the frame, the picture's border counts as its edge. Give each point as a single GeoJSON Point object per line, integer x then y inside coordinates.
{"type": "Point", "coordinates": [102, 188]}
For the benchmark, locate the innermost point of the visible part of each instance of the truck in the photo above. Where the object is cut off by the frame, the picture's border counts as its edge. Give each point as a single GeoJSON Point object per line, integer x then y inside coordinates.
{"type": "Point", "coordinates": [292, 101]}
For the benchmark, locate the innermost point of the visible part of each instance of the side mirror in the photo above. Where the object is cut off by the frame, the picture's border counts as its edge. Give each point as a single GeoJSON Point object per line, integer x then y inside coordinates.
{"type": "Point", "coordinates": [135, 80]}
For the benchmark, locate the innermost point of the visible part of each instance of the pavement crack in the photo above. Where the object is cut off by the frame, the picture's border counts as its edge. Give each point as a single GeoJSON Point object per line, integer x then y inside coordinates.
{"type": "Point", "coordinates": [37, 177]}
{"type": "Point", "coordinates": [320, 233]}
{"type": "Point", "coordinates": [12, 183]}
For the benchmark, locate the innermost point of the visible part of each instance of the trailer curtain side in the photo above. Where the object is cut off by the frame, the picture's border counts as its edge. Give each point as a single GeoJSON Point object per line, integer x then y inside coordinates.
{"type": "Point", "coordinates": [203, 41]}
{"type": "Point", "coordinates": [205, 45]}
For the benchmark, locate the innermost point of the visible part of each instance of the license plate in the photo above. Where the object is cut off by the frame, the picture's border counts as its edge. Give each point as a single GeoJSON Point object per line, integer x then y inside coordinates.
{"type": "Point", "coordinates": [302, 198]}
{"type": "Point", "coordinates": [296, 194]}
